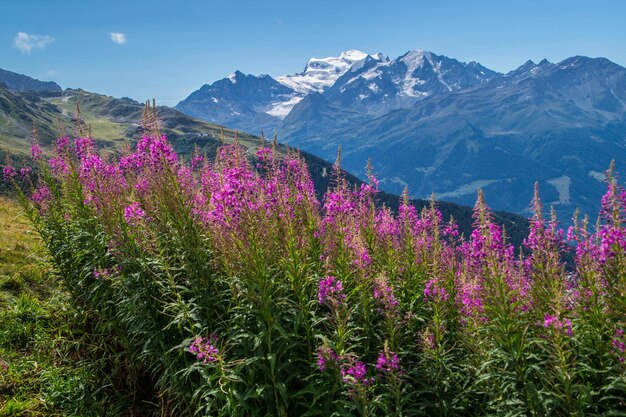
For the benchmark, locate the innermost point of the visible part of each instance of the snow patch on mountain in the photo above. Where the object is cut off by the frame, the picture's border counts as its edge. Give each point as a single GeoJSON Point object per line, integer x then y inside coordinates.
{"type": "Point", "coordinates": [318, 75]}
{"type": "Point", "coordinates": [281, 109]}
{"type": "Point", "coordinates": [321, 73]}
{"type": "Point", "coordinates": [562, 185]}
{"type": "Point", "coordinates": [413, 60]}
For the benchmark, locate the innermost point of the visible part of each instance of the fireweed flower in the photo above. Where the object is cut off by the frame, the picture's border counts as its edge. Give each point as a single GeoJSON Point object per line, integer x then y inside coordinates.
{"type": "Point", "coordinates": [325, 356]}
{"type": "Point", "coordinates": [133, 213]}
{"type": "Point", "coordinates": [84, 147]}
{"type": "Point", "coordinates": [41, 197]}
{"type": "Point", "coordinates": [321, 361]}
{"type": "Point", "coordinates": [106, 273]}
{"type": "Point", "coordinates": [355, 373]}
{"type": "Point", "coordinates": [204, 349]}
{"type": "Point", "coordinates": [25, 172]}
{"type": "Point", "coordinates": [62, 144]}
{"type": "Point", "coordinates": [9, 172]}
{"type": "Point", "coordinates": [469, 296]}
{"type": "Point", "coordinates": [387, 361]}
{"type": "Point", "coordinates": [618, 345]}
{"type": "Point", "coordinates": [434, 292]}
{"type": "Point", "coordinates": [383, 294]}
{"type": "Point", "coordinates": [35, 151]}
{"type": "Point", "coordinates": [265, 156]}
{"type": "Point", "coordinates": [58, 166]}
{"type": "Point", "coordinates": [197, 161]}
{"type": "Point", "coordinates": [612, 242]}
{"type": "Point", "coordinates": [330, 291]}
{"type": "Point", "coordinates": [553, 322]}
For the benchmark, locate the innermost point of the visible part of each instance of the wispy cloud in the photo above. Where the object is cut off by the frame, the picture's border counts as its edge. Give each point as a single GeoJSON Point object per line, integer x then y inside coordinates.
{"type": "Point", "coordinates": [26, 43]}
{"type": "Point", "coordinates": [118, 38]}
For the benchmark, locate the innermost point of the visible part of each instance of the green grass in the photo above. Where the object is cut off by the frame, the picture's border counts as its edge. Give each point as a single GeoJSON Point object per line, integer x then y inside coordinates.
{"type": "Point", "coordinates": [101, 127]}
{"type": "Point", "coordinates": [39, 330]}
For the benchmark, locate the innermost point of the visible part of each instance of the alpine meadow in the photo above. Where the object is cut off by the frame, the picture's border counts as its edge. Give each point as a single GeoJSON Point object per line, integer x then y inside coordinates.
{"type": "Point", "coordinates": [287, 209]}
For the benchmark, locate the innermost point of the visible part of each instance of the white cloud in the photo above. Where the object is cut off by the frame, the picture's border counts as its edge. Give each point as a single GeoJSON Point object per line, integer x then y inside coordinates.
{"type": "Point", "coordinates": [118, 38]}
{"type": "Point", "coordinates": [25, 42]}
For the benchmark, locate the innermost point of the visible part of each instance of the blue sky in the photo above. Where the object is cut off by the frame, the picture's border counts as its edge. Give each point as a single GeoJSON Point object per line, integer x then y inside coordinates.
{"type": "Point", "coordinates": [167, 49]}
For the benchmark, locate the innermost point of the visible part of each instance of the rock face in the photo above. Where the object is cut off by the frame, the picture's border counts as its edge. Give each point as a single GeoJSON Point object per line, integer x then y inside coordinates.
{"type": "Point", "coordinates": [439, 125]}
{"type": "Point", "coordinates": [20, 83]}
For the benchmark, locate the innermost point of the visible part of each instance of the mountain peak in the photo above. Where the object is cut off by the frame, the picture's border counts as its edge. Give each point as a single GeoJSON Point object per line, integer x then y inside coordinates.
{"type": "Point", "coordinates": [320, 73]}
{"type": "Point", "coordinates": [233, 77]}
{"type": "Point", "coordinates": [416, 54]}
{"type": "Point", "coordinates": [522, 69]}
{"type": "Point", "coordinates": [353, 55]}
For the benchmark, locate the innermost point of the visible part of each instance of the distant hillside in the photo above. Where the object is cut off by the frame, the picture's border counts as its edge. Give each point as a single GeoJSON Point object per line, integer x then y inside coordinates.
{"type": "Point", "coordinates": [19, 112]}
{"type": "Point", "coordinates": [18, 82]}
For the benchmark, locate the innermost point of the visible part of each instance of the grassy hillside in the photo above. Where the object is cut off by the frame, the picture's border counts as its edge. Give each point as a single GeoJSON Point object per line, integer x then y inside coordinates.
{"type": "Point", "coordinates": [50, 358]}
{"type": "Point", "coordinates": [18, 114]}
{"type": "Point", "coordinates": [32, 309]}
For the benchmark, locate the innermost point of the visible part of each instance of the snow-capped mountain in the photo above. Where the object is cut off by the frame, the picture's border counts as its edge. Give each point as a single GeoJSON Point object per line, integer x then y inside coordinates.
{"type": "Point", "coordinates": [241, 101]}
{"type": "Point", "coordinates": [250, 102]}
{"type": "Point", "coordinates": [369, 82]}
{"type": "Point", "coordinates": [560, 124]}
{"type": "Point", "coordinates": [321, 73]}
{"type": "Point", "coordinates": [379, 86]}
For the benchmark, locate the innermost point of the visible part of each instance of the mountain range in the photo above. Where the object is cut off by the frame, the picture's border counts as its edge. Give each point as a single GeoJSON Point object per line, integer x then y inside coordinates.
{"type": "Point", "coordinates": [438, 125]}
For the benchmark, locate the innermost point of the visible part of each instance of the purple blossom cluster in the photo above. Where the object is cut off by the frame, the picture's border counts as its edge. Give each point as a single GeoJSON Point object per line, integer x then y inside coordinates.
{"type": "Point", "coordinates": [553, 322]}
{"type": "Point", "coordinates": [35, 151]}
{"type": "Point", "coordinates": [383, 294]}
{"type": "Point", "coordinates": [618, 345]}
{"type": "Point", "coordinates": [387, 362]}
{"type": "Point", "coordinates": [204, 349]}
{"type": "Point", "coordinates": [435, 292]}
{"type": "Point", "coordinates": [325, 356]}
{"type": "Point", "coordinates": [330, 291]}
{"type": "Point", "coordinates": [9, 172]}
{"type": "Point", "coordinates": [106, 273]}
{"type": "Point", "coordinates": [133, 213]}
{"type": "Point", "coordinates": [41, 197]}
{"type": "Point", "coordinates": [355, 373]}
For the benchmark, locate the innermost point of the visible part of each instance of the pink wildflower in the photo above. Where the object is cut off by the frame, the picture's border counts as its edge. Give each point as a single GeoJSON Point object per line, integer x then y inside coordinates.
{"type": "Point", "coordinates": [204, 350]}
{"type": "Point", "coordinates": [133, 213]}
{"type": "Point", "coordinates": [387, 361]}
{"type": "Point", "coordinates": [330, 291]}
{"type": "Point", "coordinates": [9, 172]}
{"type": "Point", "coordinates": [35, 151]}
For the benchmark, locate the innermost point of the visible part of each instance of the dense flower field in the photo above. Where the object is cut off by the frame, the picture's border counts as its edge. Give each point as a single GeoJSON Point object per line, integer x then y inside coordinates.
{"type": "Point", "coordinates": [242, 294]}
